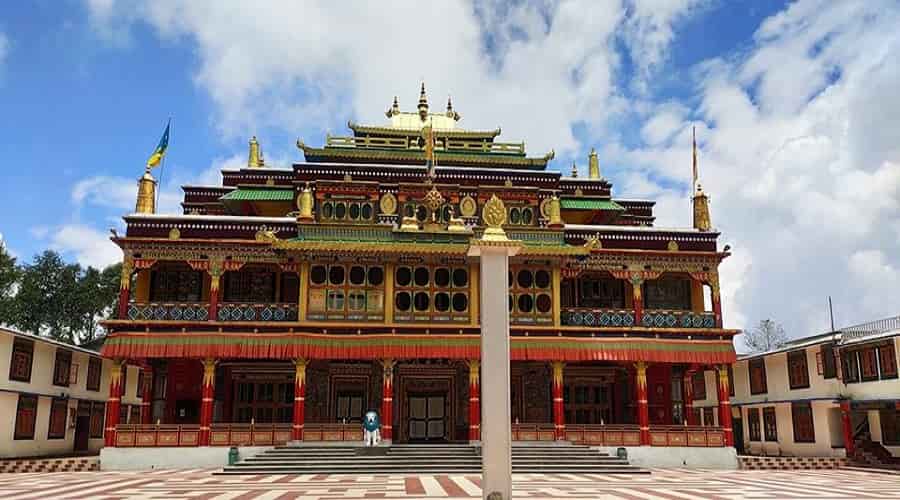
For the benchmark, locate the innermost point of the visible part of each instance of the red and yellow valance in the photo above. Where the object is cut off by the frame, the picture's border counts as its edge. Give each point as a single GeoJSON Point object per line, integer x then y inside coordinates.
{"type": "Point", "coordinates": [138, 345]}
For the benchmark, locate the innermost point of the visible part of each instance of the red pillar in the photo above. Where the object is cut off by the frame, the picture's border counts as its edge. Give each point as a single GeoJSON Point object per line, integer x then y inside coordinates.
{"type": "Point", "coordinates": [559, 416]}
{"type": "Point", "coordinates": [847, 427]}
{"type": "Point", "coordinates": [299, 399]}
{"type": "Point", "coordinates": [147, 396]}
{"type": "Point", "coordinates": [474, 401]}
{"type": "Point", "coordinates": [206, 403]}
{"type": "Point", "coordinates": [114, 402]}
{"type": "Point", "coordinates": [387, 400]}
{"type": "Point", "coordinates": [214, 277]}
{"type": "Point", "coordinates": [688, 381]}
{"type": "Point", "coordinates": [637, 300]}
{"type": "Point", "coordinates": [125, 287]}
{"type": "Point", "coordinates": [643, 409]}
{"type": "Point", "coordinates": [725, 406]}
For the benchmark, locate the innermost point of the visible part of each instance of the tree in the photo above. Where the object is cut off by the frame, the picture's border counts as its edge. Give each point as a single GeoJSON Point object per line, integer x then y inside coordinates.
{"type": "Point", "coordinates": [767, 335]}
{"type": "Point", "coordinates": [9, 283]}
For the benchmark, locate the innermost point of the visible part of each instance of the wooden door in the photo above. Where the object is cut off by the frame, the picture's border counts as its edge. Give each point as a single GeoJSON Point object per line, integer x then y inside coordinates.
{"type": "Point", "coordinates": [427, 418]}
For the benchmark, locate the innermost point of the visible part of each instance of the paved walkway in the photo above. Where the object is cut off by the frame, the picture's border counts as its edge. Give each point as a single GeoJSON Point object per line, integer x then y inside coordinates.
{"type": "Point", "coordinates": [666, 484]}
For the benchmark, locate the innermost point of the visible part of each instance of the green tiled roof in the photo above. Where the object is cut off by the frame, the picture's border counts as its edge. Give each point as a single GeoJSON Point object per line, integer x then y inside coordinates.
{"type": "Point", "coordinates": [589, 204]}
{"type": "Point", "coordinates": [259, 194]}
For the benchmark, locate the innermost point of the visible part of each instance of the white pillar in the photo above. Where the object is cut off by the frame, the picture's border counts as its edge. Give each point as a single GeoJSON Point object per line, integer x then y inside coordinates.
{"type": "Point", "coordinates": [496, 426]}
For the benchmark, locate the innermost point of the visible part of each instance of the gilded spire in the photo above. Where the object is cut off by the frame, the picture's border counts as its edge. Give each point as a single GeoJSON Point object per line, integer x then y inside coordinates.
{"type": "Point", "coordinates": [574, 170]}
{"type": "Point", "coordinates": [423, 104]}
{"type": "Point", "coordinates": [146, 195]}
{"type": "Point", "coordinates": [450, 112]}
{"type": "Point", "coordinates": [395, 108]}
{"type": "Point", "coordinates": [701, 210]}
{"type": "Point", "coordinates": [593, 165]}
{"type": "Point", "coordinates": [255, 159]}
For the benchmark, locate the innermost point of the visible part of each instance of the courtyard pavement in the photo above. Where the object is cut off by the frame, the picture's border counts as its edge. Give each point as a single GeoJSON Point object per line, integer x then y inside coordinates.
{"type": "Point", "coordinates": [667, 484]}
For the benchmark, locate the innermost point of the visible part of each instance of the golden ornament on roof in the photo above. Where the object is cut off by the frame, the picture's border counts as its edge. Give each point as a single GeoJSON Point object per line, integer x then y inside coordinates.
{"type": "Point", "coordinates": [433, 200]}
{"type": "Point", "coordinates": [468, 206]}
{"type": "Point", "coordinates": [388, 204]}
{"type": "Point", "coordinates": [494, 212]}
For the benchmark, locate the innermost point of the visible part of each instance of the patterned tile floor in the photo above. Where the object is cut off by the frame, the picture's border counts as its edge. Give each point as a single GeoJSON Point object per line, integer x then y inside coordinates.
{"type": "Point", "coordinates": [680, 484]}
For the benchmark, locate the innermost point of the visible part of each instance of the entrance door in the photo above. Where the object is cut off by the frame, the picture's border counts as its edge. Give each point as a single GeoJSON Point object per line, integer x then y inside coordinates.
{"type": "Point", "coordinates": [82, 426]}
{"type": "Point", "coordinates": [427, 420]}
{"type": "Point", "coordinates": [737, 426]}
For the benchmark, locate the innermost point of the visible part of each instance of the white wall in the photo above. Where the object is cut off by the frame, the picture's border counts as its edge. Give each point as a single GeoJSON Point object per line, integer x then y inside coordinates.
{"type": "Point", "coordinates": [828, 439]}
{"type": "Point", "coordinates": [41, 384]}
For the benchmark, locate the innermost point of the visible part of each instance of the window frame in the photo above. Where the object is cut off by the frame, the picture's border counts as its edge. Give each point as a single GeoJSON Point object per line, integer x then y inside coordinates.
{"type": "Point", "coordinates": [797, 423]}
{"type": "Point", "coordinates": [770, 429]}
{"type": "Point", "coordinates": [698, 385]}
{"type": "Point", "coordinates": [94, 374]}
{"type": "Point", "coordinates": [57, 406]}
{"type": "Point", "coordinates": [516, 290]}
{"type": "Point", "coordinates": [757, 365]}
{"type": "Point", "coordinates": [25, 348]}
{"type": "Point", "coordinates": [98, 412]}
{"type": "Point", "coordinates": [889, 438]}
{"type": "Point", "coordinates": [798, 364]}
{"type": "Point", "coordinates": [754, 425]}
{"type": "Point", "coordinates": [61, 376]}
{"type": "Point", "coordinates": [829, 363]}
{"type": "Point", "coordinates": [887, 356]}
{"type": "Point", "coordinates": [33, 414]}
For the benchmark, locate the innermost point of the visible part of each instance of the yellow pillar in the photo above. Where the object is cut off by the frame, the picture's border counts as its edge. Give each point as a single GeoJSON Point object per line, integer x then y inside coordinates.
{"type": "Point", "coordinates": [389, 293]}
{"type": "Point", "coordinates": [142, 286]}
{"type": "Point", "coordinates": [474, 300]}
{"type": "Point", "coordinates": [697, 296]}
{"type": "Point", "coordinates": [304, 290]}
{"type": "Point", "coordinates": [557, 301]}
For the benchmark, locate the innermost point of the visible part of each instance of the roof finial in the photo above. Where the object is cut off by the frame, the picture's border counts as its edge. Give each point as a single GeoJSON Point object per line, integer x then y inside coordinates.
{"type": "Point", "coordinates": [395, 108]}
{"type": "Point", "coordinates": [450, 112]}
{"type": "Point", "coordinates": [423, 103]}
{"type": "Point", "coordinates": [593, 165]}
{"type": "Point", "coordinates": [696, 172]}
{"type": "Point", "coordinates": [574, 169]}
{"type": "Point", "coordinates": [255, 159]}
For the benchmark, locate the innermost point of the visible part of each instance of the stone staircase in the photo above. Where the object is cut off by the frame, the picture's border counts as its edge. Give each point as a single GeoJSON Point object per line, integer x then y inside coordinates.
{"type": "Point", "coordinates": [868, 453]}
{"type": "Point", "coordinates": [425, 459]}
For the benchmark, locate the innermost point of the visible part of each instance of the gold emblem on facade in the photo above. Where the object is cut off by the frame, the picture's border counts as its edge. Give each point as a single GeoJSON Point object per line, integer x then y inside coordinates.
{"type": "Point", "coordinates": [174, 233]}
{"type": "Point", "coordinates": [388, 204]}
{"type": "Point", "coordinates": [468, 207]}
{"type": "Point", "coordinates": [544, 208]}
{"type": "Point", "coordinates": [305, 204]}
{"type": "Point", "coordinates": [673, 246]}
{"type": "Point", "coordinates": [494, 212]}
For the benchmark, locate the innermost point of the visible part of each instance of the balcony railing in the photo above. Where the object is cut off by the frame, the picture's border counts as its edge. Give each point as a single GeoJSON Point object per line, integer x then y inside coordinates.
{"type": "Point", "coordinates": [663, 318]}
{"type": "Point", "coordinates": [333, 432]}
{"type": "Point", "coordinates": [533, 432]}
{"type": "Point", "coordinates": [871, 328]}
{"type": "Point", "coordinates": [166, 311]}
{"type": "Point", "coordinates": [189, 435]}
{"type": "Point", "coordinates": [589, 316]}
{"type": "Point", "coordinates": [231, 311]}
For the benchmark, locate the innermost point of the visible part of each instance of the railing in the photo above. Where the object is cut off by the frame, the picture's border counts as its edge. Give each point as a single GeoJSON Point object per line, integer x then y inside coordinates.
{"type": "Point", "coordinates": [230, 311]}
{"type": "Point", "coordinates": [686, 435]}
{"type": "Point", "coordinates": [588, 316]}
{"type": "Point", "coordinates": [332, 432]}
{"type": "Point", "coordinates": [533, 432]}
{"type": "Point", "coordinates": [604, 435]}
{"type": "Point", "coordinates": [164, 435]}
{"type": "Point", "coordinates": [441, 144]}
{"type": "Point", "coordinates": [162, 311]}
{"type": "Point", "coordinates": [870, 328]}
{"type": "Point", "coordinates": [663, 318]}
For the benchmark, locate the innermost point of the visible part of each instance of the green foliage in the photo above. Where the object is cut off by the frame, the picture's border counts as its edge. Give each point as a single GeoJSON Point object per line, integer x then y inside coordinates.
{"type": "Point", "coordinates": [63, 301]}
{"type": "Point", "coordinates": [9, 279]}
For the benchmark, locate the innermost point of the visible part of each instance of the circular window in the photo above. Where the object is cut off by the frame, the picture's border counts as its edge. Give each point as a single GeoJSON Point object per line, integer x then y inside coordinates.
{"type": "Point", "coordinates": [460, 302]}
{"type": "Point", "coordinates": [367, 211]}
{"type": "Point", "coordinates": [421, 276]}
{"type": "Point", "coordinates": [460, 277]}
{"type": "Point", "coordinates": [525, 278]}
{"type": "Point", "coordinates": [376, 276]}
{"type": "Point", "coordinates": [542, 279]}
{"type": "Point", "coordinates": [421, 301]}
{"type": "Point", "coordinates": [340, 210]}
{"type": "Point", "coordinates": [543, 303]}
{"type": "Point", "coordinates": [336, 275]}
{"type": "Point", "coordinates": [527, 216]}
{"type": "Point", "coordinates": [515, 216]}
{"type": "Point", "coordinates": [402, 301]}
{"type": "Point", "coordinates": [409, 210]}
{"type": "Point", "coordinates": [357, 275]}
{"type": "Point", "coordinates": [442, 302]}
{"type": "Point", "coordinates": [404, 276]}
{"type": "Point", "coordinates": [327, 210]}
{"type": "Point", "coordinates": [421, 213]}
{"type": "Point", "coordinates": [354, 211]}
{"type": "Point", "coordinates": [526, 303]}
{"type": "Point", "coordinates": [442, 277]}
{"type": "Point", "coordinates": [317, 275]}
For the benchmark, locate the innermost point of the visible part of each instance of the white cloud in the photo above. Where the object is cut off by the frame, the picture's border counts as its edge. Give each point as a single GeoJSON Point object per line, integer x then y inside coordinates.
{"type": "Point", "coordinates": [120, 193]}
{"type": "Point", "coordinates": [86, 245]}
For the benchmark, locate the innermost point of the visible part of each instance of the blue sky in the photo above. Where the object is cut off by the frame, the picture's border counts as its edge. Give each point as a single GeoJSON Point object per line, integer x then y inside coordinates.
{"type": "Point", "coordinates": [774, 89]}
